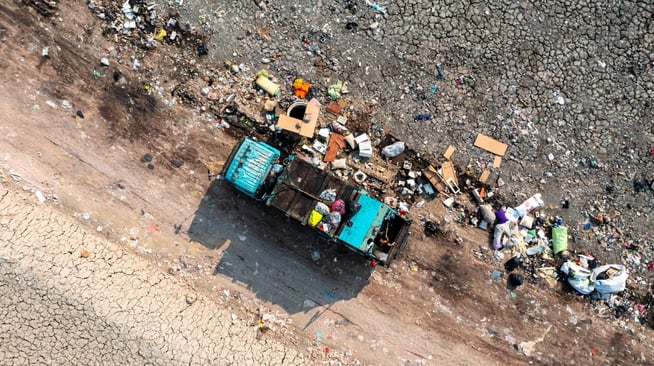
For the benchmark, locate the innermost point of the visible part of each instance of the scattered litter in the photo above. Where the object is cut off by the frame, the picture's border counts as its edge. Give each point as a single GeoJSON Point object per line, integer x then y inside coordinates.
{"type": "Point", "coordinates": [376, 7]}
{"type": "Point", "coordinates": [40, 196]}
{"type": "Point", "coordinates": [309, 304]}
{"type": "Point", "coordinates": [496, 275]}
{"type": "Point", "coordinates": [315, 255]}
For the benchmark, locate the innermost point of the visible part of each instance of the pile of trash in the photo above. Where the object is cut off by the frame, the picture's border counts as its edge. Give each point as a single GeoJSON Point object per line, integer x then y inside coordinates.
{"type": "Point", "coordinates": [537, 244]}
{"type": "Point", "coordinates": [140, 23]}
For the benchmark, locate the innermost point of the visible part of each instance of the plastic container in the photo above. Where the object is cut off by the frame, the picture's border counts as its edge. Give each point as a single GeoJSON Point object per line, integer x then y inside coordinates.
{"type": "Point", "coordinates": [267, 85]}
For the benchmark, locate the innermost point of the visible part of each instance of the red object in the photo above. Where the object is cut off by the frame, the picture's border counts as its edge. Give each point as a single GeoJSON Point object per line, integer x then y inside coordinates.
{"type": "Point", "coordinates": [326, 349]}
{"type": "Point", "coordinates": [651, 151]}
{"type": "Point", "coordinates": [338, 206]}
{"type": "Point", "coordinates": [593, 352]}
{"type": "Point", "coordinates": [373, 262]}
{"type": "Point", "coordinates": [650, 266]}
{"type": "Point", "coordinates": [153, 228]}
{"type": "Point", "coordinates": [334, 108]}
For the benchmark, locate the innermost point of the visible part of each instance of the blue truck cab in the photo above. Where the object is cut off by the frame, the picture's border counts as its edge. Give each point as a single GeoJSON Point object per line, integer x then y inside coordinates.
{"type": "Point", "coordinates": [296, 187]}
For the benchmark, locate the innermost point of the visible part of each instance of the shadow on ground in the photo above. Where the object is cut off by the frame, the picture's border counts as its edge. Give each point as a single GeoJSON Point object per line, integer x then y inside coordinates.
{"type": "Point", "coordinates": [277, 258]}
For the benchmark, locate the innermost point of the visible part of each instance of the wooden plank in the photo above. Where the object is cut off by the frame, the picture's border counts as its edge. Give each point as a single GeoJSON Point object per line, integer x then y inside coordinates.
{"type": "Point", "coordinates": [336, 142]}
{"type": "Point", "coordinates": [448, 153]}
{"type": "Point", "coordinates": [497, 161]}
{"type": "Point", "coordinates": [434, 178]}
{"type": "Point", "coordinates": [484, 176]}
{"type": "Point", "coordinates": [490, 144]}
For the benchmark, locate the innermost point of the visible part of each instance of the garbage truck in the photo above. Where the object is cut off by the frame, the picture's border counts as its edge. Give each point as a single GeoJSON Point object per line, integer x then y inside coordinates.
{"type": "Point", "coordinates": [344, 213]}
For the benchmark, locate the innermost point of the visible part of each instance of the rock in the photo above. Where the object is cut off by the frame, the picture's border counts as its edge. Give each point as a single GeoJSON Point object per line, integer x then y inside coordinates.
{"type": "Point", "coordinates": [84, 253]}
{"type": "Point", "coordinates": [191, 298]}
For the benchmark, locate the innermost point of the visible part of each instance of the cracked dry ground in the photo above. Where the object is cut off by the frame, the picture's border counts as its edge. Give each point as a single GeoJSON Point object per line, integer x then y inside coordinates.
{"type": "Point", "coordinates": [68, 296]}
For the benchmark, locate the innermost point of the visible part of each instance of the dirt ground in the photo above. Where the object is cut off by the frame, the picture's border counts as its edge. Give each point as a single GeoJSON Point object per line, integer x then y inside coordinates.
{"type": "Point", "coordinates": [82, 141]}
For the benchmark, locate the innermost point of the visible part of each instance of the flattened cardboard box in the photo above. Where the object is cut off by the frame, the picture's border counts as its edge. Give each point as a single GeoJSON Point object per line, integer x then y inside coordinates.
{"type": "Point", "coordinates": [497, 161]}
{"type": "Point", "coordinates": [448, 153]}
{"type": "Point", "coordinates": [490, 144]}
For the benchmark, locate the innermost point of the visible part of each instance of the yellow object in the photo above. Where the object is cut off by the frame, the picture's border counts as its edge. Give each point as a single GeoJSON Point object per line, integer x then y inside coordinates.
{"type": "Point", "coordinates": [160, 35]}
{"type": "Point", "coordinates": [301, 88]}
{"type": "Point", "coordinates": [314, 218]}
{"type": "Point", "coordinates": [267, 85]}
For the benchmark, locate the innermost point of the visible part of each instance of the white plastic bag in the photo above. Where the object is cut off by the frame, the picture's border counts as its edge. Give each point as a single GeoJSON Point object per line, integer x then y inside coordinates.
{"type": "Point", "coordinates": [322, 208]}
{"type": "Point", "coordinates": [328, 195]}
{"type": "Point", "coordinates": [393, 150]}
{"type": "Point", "coordinates": [616, 283]}
{"type": "Point", "coordinates": [530, 204]}
{"type": "Point", "coordinates": [578, 277]}
{"type": "Point", "coordinates": [333, 218]}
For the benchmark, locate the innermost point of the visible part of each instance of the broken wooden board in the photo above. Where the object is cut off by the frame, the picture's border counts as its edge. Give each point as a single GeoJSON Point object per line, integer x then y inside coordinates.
{"type": "Point", "coordinates": [448, 153]}
{"type": "Point", "coordinates": [484, 176]}
{"type": "Point", "coordinates": [490, 144]}
{"type": "Point", "coordinates": [497, 161]}
{"type": "Point", "coordinates": [378, 169]}
{"type": "Point", "coordinates": [434, 178]}
{"type": "Point", "coordinates": [336, 142]}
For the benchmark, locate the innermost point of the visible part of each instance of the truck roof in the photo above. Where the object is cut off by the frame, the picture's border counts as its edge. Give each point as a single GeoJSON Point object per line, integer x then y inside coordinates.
{"type": "Point", "coordinates": [363, 223]}
{"type": "Point", "coordinates": [250, 165]}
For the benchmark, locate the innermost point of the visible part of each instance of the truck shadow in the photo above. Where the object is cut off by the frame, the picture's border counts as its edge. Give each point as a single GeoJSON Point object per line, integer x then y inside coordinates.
{"type": "Point", "coordinates": [277, 258]}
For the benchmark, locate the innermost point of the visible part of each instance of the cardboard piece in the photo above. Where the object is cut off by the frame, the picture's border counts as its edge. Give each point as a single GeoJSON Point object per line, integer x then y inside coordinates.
{"type": "Point", "coordinates": [448, 172]}
{"type": "Point", "coordinates": [497, 161]}
{"type": "Point", "coordinates": [490, 144]}
{"type": "Point", "coordinates": [349, 138]}
{"type": "Point", "coordinates": [301, 127]}
{"type": "Point", "coordinates": [333, 108]}
{"type": "Point", "coordinates": [448, 153]}
{"type": "Point", "coordinates": [484, 176]}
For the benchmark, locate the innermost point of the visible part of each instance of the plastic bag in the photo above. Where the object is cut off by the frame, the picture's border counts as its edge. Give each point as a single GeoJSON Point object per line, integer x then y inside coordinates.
{"type": "Point", "coordinates": [393, 150]}
{"type": "Point", "coordinates": [322, 208]}
{"type": "Point", "coordinates": [333, 218]}
{"type": "Point", "coordinates": [501, 216]}
{"type": "Point", "coordinates": [403, 208]}
{"type": "Point", "coordinates": [339, 206]}
{"type": "Point", "coordinates": [487, 213]}
{"type": "Point", "coordinates": [328, 195]}
{"type": "Point", "coordinates": [609, 278]}
{"type": "Point", "coordinates": [314, 218]}
{"type": "Point", "coordinates": [498, 234]}
{"type": "Point", "coordinates": [559, 239]}
{"type": "Point", "coordinates": [530, 204]}
{"type": "Point", "coordinates": [578, 277]}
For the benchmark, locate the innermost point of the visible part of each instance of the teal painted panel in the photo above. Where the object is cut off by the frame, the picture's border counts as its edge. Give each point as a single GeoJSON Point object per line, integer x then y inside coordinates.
{"type": "Point", "coordinates": [370, 216]}
{"type": "Point", "coordinates": [250, 165]}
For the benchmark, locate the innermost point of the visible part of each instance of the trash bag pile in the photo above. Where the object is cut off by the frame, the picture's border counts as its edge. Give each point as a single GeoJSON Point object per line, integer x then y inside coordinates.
{"type": "Point", "coordinates": [537, 243]}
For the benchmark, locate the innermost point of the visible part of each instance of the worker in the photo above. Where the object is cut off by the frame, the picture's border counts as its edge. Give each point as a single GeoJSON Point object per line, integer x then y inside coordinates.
{"type": "Point", "coordinates": [383, 242]}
